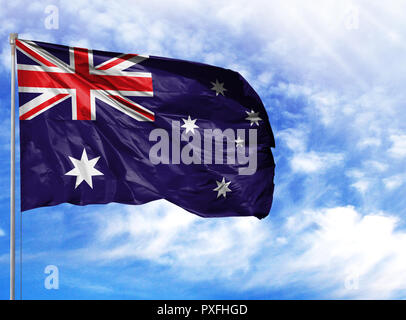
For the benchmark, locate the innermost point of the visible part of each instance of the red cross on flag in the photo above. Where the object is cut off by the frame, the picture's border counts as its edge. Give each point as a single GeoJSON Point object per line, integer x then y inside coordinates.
{"type": "Point", "coordinates": [55, 81]}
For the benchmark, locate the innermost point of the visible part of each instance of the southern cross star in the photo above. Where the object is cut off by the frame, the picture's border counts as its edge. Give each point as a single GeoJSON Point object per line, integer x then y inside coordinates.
{"type": "Point", "coordinates": [84, 169]}
{"type": "Point", "coordinates": [218, 87]}
{"type": "Point", "coordinates": [189, 125]}
{"type": "Point", "coordinates": [222, 188]}
{"type": "Point", "coordinates": [253, 117]}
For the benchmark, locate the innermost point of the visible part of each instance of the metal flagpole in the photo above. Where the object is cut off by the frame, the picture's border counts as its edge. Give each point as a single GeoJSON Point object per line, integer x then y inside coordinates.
{"type": "Point", "coordinates": [13, 37]}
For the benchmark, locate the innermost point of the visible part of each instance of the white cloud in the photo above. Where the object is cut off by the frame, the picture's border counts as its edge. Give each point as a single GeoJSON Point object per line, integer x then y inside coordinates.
{"type": "Point", "coordinates": [166, 234]}
{"type": "Point", "coordinates": [369, 142]}
{"type": "Point", "coordinates": [362, 185]}
{"type": "Point", "coordinates": [2, 233]}
{"type": "Point", "coordinates": [375, 165]}
{"type": "Point", "coordinates": [327, 247]}
{"type": "Point", "coordinates": [294, 138]}
{"type": "Point", "coordinates": [395, 181]}
{"type": "Point", "coordinates": [320, 248]}
{"type": "Point", "coordinates": [398, 148]}
{"type": "Point", "coordinates": [314, 162]}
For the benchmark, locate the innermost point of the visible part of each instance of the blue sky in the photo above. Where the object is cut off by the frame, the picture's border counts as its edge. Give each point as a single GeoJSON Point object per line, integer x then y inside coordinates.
{"type": "Point", "coordinates": [331, 75]}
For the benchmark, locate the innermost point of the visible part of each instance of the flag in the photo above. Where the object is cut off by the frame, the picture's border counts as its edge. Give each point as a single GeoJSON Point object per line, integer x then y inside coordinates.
{"type": "Point", "coordinates": [99, 127]}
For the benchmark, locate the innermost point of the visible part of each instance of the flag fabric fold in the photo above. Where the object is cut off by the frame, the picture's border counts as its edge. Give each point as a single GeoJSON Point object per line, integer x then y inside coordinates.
{"type": "Point", "coordinates": [99, 127]}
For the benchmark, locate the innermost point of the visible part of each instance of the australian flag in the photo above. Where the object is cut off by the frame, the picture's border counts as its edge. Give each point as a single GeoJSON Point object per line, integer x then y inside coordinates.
{"type": "Point", "coordinates": [99, 127]}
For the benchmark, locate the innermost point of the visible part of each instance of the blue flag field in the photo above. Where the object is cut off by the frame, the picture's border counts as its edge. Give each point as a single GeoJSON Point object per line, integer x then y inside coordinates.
{"type": "Point", "coordinates": [99, 127]}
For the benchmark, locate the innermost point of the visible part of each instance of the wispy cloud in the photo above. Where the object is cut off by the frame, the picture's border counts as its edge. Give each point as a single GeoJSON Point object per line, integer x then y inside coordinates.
{"type": "Point", "coordinates": [313, 162]}
{"type": "Point", "coordinates": [398, 148]}
{"type": "Point", "coordinates": [165, 234]}
{"type": "Point", "coordinates": [320, 250]}
{"type": "Point", "coordinates": [327, 247]}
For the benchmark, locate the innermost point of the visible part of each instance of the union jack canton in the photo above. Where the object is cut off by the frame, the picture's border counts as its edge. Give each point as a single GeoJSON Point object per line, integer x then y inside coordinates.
{"type": "Point", "coordinates": [56, 80]}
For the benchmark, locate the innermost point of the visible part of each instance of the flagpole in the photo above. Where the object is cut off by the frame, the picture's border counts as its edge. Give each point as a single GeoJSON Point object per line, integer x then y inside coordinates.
{"type": "Point", "coordinates": [13, 37]}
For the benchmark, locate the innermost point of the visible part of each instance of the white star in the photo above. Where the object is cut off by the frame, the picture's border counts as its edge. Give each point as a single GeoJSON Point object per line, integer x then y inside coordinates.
{"type": "Point", "coordinates": [222, 188]}
{"type": "Point", "coordinates": [239, 142]}
{"type": "Point", "coordinates": [84, 169]}
{"type": "Point", "coordinates": [189, 125]}
{"type": "Point", "coordinates": [253, 117]}
{"type": "Point", "coordinates": [218, 87]}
